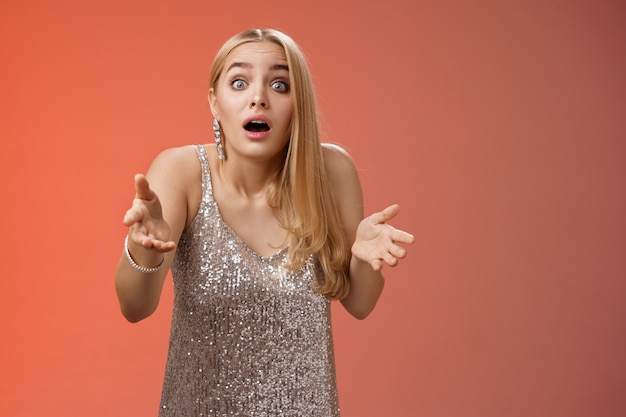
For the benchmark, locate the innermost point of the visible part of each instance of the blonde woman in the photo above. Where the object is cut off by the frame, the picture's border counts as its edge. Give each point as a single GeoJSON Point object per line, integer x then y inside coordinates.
{"type": "Point", "coordinates": [261, 229]}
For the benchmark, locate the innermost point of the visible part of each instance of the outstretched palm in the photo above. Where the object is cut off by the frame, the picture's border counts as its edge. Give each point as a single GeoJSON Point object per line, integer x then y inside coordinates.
{"type": "Point", "coordinates": [377, 242]}
{"type": "Point", "coordinates": [145, 218]}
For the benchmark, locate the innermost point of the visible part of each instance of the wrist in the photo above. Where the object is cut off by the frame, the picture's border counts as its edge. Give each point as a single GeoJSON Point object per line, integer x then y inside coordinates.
{"type": "Point", "coordinates": [144, 269]}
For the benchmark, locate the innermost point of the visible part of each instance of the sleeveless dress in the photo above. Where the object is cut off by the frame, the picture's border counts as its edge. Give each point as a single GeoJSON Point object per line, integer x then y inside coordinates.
{"type": "Point", "coordinates": [249, 337]}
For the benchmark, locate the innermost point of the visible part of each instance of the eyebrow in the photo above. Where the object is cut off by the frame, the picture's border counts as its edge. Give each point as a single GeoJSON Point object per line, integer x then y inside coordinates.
{"type": "Point", "coordinates": [247, 65]}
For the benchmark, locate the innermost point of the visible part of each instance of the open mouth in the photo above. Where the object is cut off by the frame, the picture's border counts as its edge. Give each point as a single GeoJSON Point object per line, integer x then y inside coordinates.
{"type": "Point", "coordinates": [256, 126]}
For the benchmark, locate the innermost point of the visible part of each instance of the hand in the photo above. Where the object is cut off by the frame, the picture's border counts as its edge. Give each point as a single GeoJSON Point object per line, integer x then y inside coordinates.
{"type": "Point", "coordinates": [376, 240]}
{"type": "Point", "coordinates": [145, 218]}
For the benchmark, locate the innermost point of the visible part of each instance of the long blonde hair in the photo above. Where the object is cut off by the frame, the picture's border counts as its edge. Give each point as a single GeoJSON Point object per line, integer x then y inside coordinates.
{"type": "Point", "coordinates": [301, 197]}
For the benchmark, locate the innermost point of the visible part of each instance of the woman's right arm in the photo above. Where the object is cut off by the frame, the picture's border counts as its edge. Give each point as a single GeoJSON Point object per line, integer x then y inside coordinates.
{"type": "Point", "coordinates": [156, 221]}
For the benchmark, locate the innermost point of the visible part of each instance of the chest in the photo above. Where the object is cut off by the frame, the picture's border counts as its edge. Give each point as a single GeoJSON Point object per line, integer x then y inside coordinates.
{"type": "Point", "coordinates": [254, 222]}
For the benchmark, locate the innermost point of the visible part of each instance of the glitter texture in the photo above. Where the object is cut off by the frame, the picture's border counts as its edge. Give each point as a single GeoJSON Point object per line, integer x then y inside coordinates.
{"type": "Point", "coordinates": [249, 337]}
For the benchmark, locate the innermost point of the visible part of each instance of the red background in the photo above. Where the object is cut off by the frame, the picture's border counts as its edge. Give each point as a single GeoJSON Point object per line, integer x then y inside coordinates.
{"type": "Point", "coordinates": [500, 128]}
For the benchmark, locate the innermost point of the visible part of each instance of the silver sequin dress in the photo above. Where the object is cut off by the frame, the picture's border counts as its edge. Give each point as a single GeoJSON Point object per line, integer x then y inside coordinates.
{"type": "Point", "coordinates": [249, 337]}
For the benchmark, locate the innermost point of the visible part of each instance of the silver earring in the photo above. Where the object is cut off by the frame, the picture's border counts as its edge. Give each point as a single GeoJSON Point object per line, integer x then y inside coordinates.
{"type": "Point", "coordinates": [218, 140]}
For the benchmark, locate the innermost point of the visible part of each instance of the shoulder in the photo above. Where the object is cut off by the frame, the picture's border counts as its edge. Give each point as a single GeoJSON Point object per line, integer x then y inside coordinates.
{"type": "Point", "coordinates": [175, 170]}
{"type": "Point", "coordinates": [344, 182]}
{"type": "Point", "coordinates": [176, 175]}
{"type": "Point", "coordinates": [337, 160]}
{"type": "Point", "coordinates": [176, 162]}
{"type": "Point", "coordinates": [177, 155]}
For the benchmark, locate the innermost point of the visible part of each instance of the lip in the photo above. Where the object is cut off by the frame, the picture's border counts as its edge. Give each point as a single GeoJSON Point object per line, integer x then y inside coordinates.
{"type": "Point", "coordinates": [257, 135]}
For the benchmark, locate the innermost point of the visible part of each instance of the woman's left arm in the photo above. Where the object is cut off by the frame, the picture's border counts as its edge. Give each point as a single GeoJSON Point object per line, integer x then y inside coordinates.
{"type": "Point", "coordinates": [373, 241]}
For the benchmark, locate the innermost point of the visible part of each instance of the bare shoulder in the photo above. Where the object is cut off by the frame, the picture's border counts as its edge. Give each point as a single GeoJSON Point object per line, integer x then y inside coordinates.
{"type": "Point", "coordinates": [337, 160]}
{"type": "Point", "coordinates": [175, 175]}
{"type": "Point", "coordinates": [175, 156]}
{"type": "Point", "coordinates": [344, 182]}
{"type": "Point", "coordinates": [175, 164]}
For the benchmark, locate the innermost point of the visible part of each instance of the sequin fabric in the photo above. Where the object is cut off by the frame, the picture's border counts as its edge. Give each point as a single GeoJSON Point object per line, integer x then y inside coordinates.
{"type": "Point", "coordinates": [249, 337]}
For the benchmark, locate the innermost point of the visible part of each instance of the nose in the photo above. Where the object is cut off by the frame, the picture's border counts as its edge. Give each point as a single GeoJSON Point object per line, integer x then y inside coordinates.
{"type": "Point", "coordinates": [259, 99]}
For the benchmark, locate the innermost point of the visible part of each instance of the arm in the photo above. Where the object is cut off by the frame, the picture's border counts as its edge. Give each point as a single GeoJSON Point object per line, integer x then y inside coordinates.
{"type": "Point", "coordinates": [156, 221]}
{"type": "Point", "coordinates": [372, 240]}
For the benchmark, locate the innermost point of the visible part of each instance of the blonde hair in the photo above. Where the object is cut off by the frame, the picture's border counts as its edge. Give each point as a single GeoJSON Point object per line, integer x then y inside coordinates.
{"type": "Point", "coordinates": [301, 197]}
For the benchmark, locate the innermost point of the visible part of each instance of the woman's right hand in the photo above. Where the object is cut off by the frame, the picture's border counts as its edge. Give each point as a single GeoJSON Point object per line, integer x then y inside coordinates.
{"type": "Point", "coordinates": [145, 219]}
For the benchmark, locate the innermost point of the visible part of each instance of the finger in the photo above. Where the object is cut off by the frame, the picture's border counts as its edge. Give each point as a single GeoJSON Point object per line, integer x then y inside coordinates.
{"type": "Point", "coordinates": [150, 242]}
{"type": "Point", "coordinates": [390, 259]}
{"type": "Point", "coordinates": [139, 235]}
{"type": "Point", "coordinates": [162, 246]}
{"type": "Point", "coordinates": [397, 251]}
{"type": "Point", "coordinates": [402, 236]}
{"type": "Point", "coordinates": [142, 188]}
{"type": "Point", "coordinates": [132, 216]}
{"type": "Point", "coordinates": [385, 215]}
{"type": "Point", "coordinates": [376, 264]}
{"type": "Point", "coordinates": [159, 245]}
{"type": "Point", "coordinates": [390, 212]}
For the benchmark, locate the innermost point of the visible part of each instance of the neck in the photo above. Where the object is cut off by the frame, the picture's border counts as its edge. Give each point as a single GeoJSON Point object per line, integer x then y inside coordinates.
{"type": "Point", "coordinates": [247, 177]}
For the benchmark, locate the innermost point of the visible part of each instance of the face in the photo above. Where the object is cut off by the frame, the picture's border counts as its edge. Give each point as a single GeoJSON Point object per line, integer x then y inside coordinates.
{"type": "Point", "coordinates": [252, 101]}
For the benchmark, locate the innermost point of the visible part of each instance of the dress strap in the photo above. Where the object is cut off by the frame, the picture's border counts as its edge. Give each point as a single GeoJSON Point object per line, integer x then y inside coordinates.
{"type": "Point", "coordinates": [207, 188]}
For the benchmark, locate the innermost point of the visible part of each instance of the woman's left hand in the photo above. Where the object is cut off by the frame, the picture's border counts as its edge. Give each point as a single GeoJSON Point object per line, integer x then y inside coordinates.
{"type": "Point", "coordinates": [376, 241]}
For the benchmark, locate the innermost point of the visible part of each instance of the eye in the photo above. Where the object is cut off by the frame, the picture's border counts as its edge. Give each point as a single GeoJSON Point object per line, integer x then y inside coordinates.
{"type": "Point", "coordinates": [280, 86]}
{"type": "Point", "coordinates": [238, 84]}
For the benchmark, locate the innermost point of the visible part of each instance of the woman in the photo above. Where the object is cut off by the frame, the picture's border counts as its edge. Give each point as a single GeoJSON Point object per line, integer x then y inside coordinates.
{"type": "Point", "coordinates": [262, 229]}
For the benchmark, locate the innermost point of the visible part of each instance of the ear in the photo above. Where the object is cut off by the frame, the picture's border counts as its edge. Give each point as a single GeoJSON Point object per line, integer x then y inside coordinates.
{"type": "Point", "coordinates": [213, 103]}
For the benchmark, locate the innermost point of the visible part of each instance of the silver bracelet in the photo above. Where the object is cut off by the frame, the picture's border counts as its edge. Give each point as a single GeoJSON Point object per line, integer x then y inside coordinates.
{"type": "Point", "coordinates": [134, 264]}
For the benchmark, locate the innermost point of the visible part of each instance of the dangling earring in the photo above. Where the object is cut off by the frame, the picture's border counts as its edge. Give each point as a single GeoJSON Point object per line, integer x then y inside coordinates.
{"type": "Point", "coordinates": [218, 140]}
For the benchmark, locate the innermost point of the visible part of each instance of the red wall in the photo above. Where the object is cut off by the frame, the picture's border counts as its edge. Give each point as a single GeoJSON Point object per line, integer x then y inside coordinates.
{"type": "Point", "coordinates": [500, 127]}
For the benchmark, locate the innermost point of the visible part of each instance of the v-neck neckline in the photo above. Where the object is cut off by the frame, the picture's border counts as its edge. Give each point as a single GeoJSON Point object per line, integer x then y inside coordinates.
{"type": "Point", "coordinates": [235, 236]}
